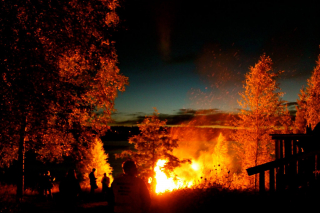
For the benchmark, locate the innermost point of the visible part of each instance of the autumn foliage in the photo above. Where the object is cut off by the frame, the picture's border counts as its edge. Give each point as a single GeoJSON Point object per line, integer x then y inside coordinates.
{"type": "Point", "coordinates": [59, 76]}
{"type": "Point", "coordinates": [262, 111]}
{"type": "Point", "coordinates": [308, 109]}
{"type": "Point", "coordinates": [58, 68]}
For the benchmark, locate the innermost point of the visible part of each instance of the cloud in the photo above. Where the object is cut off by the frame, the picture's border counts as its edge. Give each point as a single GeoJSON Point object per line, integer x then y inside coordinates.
{"type": "Point", "coordinates": [292, 108]}
{"type": "Point", "coordinates": [290, 104]}
{"type": "Point", "coordinates": [164, 13]}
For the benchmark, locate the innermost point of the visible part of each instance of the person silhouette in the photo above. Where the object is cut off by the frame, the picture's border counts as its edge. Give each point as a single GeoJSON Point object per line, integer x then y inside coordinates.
{"type": "Point", "coordinates": [129, 193]}
{"type": "Point", "coordinates": [105, 183]}
{"type": "Point", "coordinates": [69, 188]}
{"type": "Point", "coordinates": [93, 182]}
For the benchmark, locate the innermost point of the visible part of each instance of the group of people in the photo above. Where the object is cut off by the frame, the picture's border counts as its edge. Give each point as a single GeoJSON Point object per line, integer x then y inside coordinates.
{"type": "Point", "coordinates": [128, 193]}
{"type": "Point", "coordinates": [93, 182]}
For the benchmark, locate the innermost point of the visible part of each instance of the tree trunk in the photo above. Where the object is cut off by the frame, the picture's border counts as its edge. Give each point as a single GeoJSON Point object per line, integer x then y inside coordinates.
{"type": "Point", "coordinates": [153, 159]}
{"type": "Point", "coordinates": [153, 165]}
{"type": "Point", "coordinates": [257, 145]}
{"type": "Point", "coordinates": [21, 157]}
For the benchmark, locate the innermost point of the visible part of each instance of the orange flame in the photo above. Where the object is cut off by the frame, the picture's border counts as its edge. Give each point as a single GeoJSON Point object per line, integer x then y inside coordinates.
{"type": "Point", "coordinates": [210, 163]}
{"type": "Point", "coordinates": [165, 183]}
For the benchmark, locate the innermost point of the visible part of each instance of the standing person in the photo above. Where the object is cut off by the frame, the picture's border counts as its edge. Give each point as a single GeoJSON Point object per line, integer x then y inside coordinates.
{"type": "Point", "coordinates": [129, 193]}
{"type": "Point", "coordinates": [69, 187]}
{"type": "Point", "coordinates": [105, 183]}
{"type": "Point", "coordinates": [93, 183]}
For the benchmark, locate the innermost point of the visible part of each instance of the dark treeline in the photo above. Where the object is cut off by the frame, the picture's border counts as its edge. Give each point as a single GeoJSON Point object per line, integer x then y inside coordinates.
{"type": "Point", "coordinates": [120, 133]}
{"type": "Point", "coordinates": [123, 133]}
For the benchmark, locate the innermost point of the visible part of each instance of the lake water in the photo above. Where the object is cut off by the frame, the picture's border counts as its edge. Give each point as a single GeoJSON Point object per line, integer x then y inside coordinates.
{"type": "Point", "coordinates": [116, 147]}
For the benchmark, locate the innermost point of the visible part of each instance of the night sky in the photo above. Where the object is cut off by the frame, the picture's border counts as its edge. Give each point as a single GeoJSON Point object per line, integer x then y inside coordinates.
{"type": "Point", "coordinates": [181, 55]}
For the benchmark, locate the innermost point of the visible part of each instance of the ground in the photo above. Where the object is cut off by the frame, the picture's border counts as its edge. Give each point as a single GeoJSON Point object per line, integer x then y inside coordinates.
{"type": "Point", "coordinates": [182, 201]}
{"type": "Point", "coordinates": [35, 204]}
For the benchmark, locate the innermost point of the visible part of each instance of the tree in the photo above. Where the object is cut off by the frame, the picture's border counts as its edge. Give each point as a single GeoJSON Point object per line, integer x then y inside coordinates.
{"type": "Point", "coordinates": [96, 158]}
{"type": "Point", "coordinates": [58, 69]}
{"type": "Point", "coordinates": [261, 107]}
{"type": "Point", "coordinates": [153, 143]}
{"type": "Point", "coordinates": [312, 99]}
{"type": "Point", "coordinates": [308, 109]}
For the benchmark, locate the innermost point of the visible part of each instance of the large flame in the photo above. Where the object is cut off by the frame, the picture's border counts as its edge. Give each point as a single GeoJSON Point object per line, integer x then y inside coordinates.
{"type": "Point", "coordinates": [210, 163]}
{"type": "Point", "coordinates": [165, 183]}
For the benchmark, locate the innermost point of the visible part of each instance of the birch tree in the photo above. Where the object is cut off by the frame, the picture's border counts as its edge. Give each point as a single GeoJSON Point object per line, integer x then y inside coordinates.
{"type": "Point", "coordinates": [312, 112]}
{"type": "Point", "coordinates": [308, 108]}
{"type": "Point", "coordinates": [261, 106]}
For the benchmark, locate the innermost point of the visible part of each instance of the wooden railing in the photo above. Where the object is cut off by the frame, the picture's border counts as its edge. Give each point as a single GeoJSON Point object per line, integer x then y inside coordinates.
{"type": "Point", "coordinates": [293, 166]}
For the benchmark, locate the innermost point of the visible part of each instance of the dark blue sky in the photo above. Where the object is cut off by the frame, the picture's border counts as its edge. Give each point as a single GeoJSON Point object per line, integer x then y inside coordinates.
{"type": "Point", "coordinates": [181, 55]}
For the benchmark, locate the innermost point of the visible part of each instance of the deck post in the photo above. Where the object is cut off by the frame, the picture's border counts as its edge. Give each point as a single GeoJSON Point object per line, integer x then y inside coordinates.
{"type": "Point", "coordinates": [277, 148]}
{"type": "Point", "coordinates": [280, 149]}
{"type": "Point", "coordinates": [271, 180]}
{"type": "Point", "coordinates": [287, 148]}
{"type": "Point", "coordinates": [262, 187]}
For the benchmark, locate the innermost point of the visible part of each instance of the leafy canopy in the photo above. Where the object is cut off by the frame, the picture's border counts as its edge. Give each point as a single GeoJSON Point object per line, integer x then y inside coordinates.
{"type": "Point", "coordinates": [58, 68]}
{"type": "Point", "coordinates": [262, 111]}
